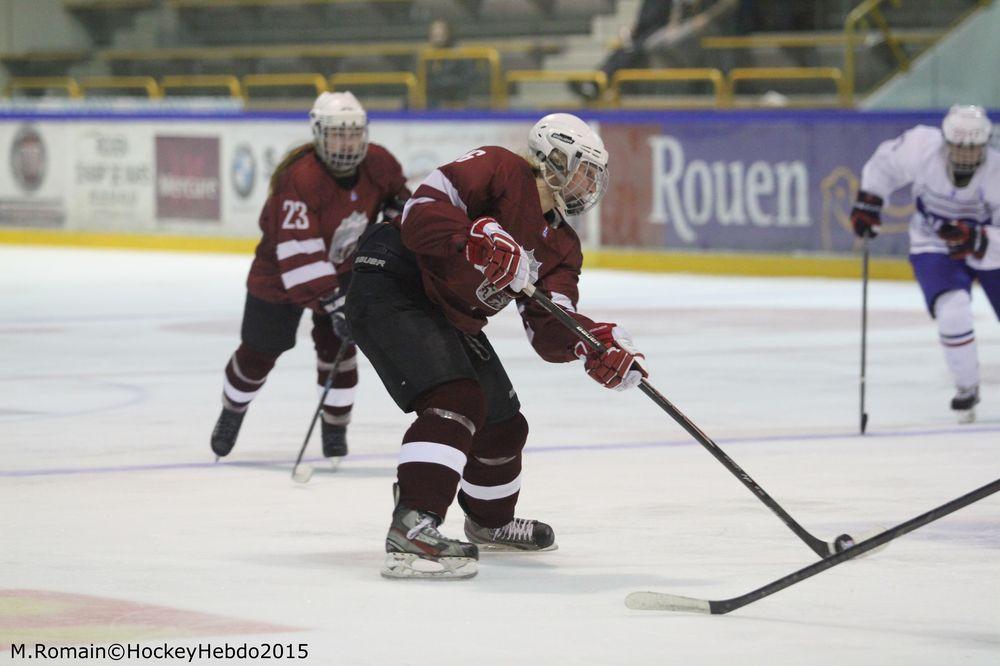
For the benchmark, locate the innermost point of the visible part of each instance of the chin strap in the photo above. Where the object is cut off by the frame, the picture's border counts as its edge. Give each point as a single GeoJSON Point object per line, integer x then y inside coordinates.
{"type": "Point", "coordinates": [560, 206]}
{"type": "Point", "coordinates": [556, 191]}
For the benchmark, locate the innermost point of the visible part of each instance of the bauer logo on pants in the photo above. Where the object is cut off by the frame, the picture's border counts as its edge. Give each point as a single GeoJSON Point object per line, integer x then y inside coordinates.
{"type": "Point", "coordinates": [187, 178]}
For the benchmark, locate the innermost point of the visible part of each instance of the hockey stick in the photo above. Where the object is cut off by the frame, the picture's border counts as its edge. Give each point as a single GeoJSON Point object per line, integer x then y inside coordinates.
{"type": "Point", "coordinates": [821, 548]}
{"type": "Point", "coordinates": [864, 330]}
{"type": "Point", "coordinates": [673, 602]}
{"type": "Point", "coordinates": [304, 473]}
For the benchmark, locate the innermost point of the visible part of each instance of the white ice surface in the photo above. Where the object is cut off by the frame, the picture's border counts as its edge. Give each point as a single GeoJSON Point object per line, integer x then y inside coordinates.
{"type": "Point", "coordinates": [110, 374]}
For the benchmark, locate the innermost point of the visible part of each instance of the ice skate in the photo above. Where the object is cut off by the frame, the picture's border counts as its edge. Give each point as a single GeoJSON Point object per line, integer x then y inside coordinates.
{"type": "Point", "coordinates": [415, 549]}
{"type": "Point", "coordinates": [225, 431]}
{"type": "Point", "coordinates": [964, 404]}
{"type": "Point", "coordinates": [519, 535]}
{"type": "Point", "coordinates": [334, 440]}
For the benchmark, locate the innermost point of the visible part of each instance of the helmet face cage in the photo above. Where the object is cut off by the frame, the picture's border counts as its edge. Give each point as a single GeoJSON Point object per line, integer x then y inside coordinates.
{"type": "Point", "coordinates": [966, 132]}
{"type": "Point", "coordinates": [573, 162]}
{"type": "Point", "coordinates": [580, 183]}
{"type": "Point", "coordinates": [965, 158]}
{"type": "Point", "coordinates": [342, 146]}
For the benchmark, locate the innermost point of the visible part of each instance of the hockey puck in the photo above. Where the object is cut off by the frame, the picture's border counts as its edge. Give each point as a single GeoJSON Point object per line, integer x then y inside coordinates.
{"type": "Point", "coordinates": [843, 542]}
{"type": "Point", "coordinates": [302, 473]}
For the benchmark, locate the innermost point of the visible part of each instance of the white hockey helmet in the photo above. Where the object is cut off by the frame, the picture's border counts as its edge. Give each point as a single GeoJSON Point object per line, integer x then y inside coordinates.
{"type": "Point", "coordinates": [966, 130]}
{"type": "Point", "coordinates": [572, 160]}
{"type": "Point", "coordinates": [340, 131]}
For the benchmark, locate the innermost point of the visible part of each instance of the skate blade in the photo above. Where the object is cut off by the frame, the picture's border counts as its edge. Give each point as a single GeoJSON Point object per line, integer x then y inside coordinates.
{"type": "Point", "coordinates": [505, 549]}
{"type": "Point", "coordinates": [410, 566]}
{"type": "Point", "coordinates": [966, 416]}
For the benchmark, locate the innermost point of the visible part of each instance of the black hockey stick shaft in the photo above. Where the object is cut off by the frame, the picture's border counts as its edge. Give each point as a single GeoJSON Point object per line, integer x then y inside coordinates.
{"type": "Point", "coordinates": [727, 605]}
{"type": "Point", "coordinates": [864, 332]}
{"type": "Point", "coordinates": [322, 399]}
{"type": "Point", "coordinates": [821, 548]}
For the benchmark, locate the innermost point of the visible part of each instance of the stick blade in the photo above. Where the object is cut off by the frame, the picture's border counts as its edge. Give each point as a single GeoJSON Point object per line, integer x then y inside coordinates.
{"type": "Point", "coordinates": [669, 602]}
{"type": "Point", "coordinates": [302, 473]}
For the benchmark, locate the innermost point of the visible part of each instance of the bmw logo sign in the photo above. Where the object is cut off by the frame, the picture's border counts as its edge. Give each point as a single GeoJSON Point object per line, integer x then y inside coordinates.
{"type": "Point", "coordinates": [243, 171]}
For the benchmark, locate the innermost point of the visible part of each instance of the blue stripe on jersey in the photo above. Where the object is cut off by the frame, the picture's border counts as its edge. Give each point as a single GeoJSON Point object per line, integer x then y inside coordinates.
{"type": "Point", "coordinates": [935, 207]}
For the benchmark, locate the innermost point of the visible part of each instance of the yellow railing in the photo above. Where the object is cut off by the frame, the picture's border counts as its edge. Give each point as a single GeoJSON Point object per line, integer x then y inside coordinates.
{"type": "Point", "coordinates": [145, 83]}
{"type": "Point", "coordinates": [104, 5]}
{"type": "Point", "coordinates": [64, 83]}
{"type": "Point", "coordinates": [599, 79]}
{"type": "Point", "coordinates": [868, 8]}
{"type": "Point", "coordinates": [200, 4]}
{"type": "Point", "coordinates": [792, 74]}
{"type": "Point", "coordinates": [202, 81]}
{"type": "Point", "coordinates": [787, 40]}
{"type": "Point", "coordinates": [713, 76]}
{"type": "Point", "coordinates": [498, 91]}
{"type": "Point", "coordinates": [405, 79]}
{"type": "Point", "coordinates": [317, 82]}
{"type": "Point", "coordinates": [869, 12]}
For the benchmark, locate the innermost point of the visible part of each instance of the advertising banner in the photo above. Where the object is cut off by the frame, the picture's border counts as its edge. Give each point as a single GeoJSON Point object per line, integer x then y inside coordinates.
{"type": "Point", "coordinates": [756, 184]}
{"type": "Point", "coordinates": [112, 177]}
{"type": "Point", "coordinates": [187, 178]}
{"type": "Point", "coordinates": [755, 181]}
{"type": "Point", "coordinates": [33, 175]}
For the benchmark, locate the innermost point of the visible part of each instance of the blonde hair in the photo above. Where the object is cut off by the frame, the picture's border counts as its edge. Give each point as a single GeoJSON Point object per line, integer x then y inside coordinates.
{"type": "Point", "coordinates": [292, 155]}
{"type": "Point", "coordinates": [532, 161]}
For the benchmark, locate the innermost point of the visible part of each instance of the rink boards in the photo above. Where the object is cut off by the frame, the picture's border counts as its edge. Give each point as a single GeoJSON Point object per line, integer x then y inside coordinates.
{"type": "Point", "coordinates": [683, 183]}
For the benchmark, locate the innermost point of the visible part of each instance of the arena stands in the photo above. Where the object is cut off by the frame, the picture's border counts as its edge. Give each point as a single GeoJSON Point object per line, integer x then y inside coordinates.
{"type": "Point", "coordinates": [521, 53]}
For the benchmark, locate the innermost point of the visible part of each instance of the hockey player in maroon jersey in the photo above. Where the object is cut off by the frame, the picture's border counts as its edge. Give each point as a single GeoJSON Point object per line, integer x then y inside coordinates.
{"type": "Point", "coordinates": [324, 194]}
{"type": "Point", "coordinates": [474, 234]}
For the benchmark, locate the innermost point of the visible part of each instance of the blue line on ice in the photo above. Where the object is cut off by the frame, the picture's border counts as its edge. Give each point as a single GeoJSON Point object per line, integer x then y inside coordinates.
{"type": "Point", "coordinates": [65, 471]}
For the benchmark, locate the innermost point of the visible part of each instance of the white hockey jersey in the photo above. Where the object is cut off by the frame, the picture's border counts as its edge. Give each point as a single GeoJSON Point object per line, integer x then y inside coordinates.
{"type": "Point", "coordinates": [919, 158]}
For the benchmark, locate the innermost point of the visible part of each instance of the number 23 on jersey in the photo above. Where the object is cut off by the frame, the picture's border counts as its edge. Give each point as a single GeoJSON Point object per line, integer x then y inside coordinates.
{"type": "Point", "coordinates": [296, 215]}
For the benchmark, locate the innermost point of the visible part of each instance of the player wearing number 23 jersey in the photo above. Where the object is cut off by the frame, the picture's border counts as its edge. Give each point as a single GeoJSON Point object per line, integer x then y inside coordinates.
{"type": "Point", "coordinates": [323, 196]}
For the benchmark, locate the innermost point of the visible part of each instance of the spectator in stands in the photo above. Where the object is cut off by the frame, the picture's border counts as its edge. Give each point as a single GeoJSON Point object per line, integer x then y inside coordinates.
{"type": "Point", "coordinates": [768, 15]}
{"type": "Point", "coordinates": [661, 25]}
{"type": "Point", "coordinates": [449, 82]}
{"type": "Point", "coordinates": [653, 15]}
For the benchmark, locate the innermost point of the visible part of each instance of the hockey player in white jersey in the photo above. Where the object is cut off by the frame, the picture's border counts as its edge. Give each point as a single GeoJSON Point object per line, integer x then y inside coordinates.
{"type": "Point", "coordinates": [955, 179]}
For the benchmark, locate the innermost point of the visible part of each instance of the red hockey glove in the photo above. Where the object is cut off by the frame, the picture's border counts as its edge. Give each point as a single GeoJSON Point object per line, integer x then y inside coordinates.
{"type": "Point", "coordinates": [620, 366]}
{"type": "Point", "coordinates": [494, 252]}
{"type": "Point", "coordinates": [866, 216]}
{"type": "Point", "coordinates": [964, 239]}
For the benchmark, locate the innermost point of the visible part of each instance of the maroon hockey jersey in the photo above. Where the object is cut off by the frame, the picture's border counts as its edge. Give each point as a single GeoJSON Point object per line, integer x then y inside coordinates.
{"type": "Point", "coordinates": [311, 223]}
{"type": "Point", "coordinates": [492, 181]}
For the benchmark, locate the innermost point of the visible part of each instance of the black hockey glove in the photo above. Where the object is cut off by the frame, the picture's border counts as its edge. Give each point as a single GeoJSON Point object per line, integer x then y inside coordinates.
{"type": "Point", "coordinates": [392, 209]}
{"type": "Point", "coordinates": [333, 305]}
{"type": "Point", "coordinates": [964, 239]}
{"type": "Point", "coordinates": [866, 216]}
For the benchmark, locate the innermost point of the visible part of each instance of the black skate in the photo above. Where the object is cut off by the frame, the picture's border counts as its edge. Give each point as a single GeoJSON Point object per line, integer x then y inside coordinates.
{"type": "Point", "coordinates": [964, 404]}
{"type": "Point", "coordinates": [519, 534]}
{"type": "Point", "coordinates": [334, 440]}
{"type": "Point", "coordinates": [415, 549]}
{"type": "Point", "coordinates": [225, 431]}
